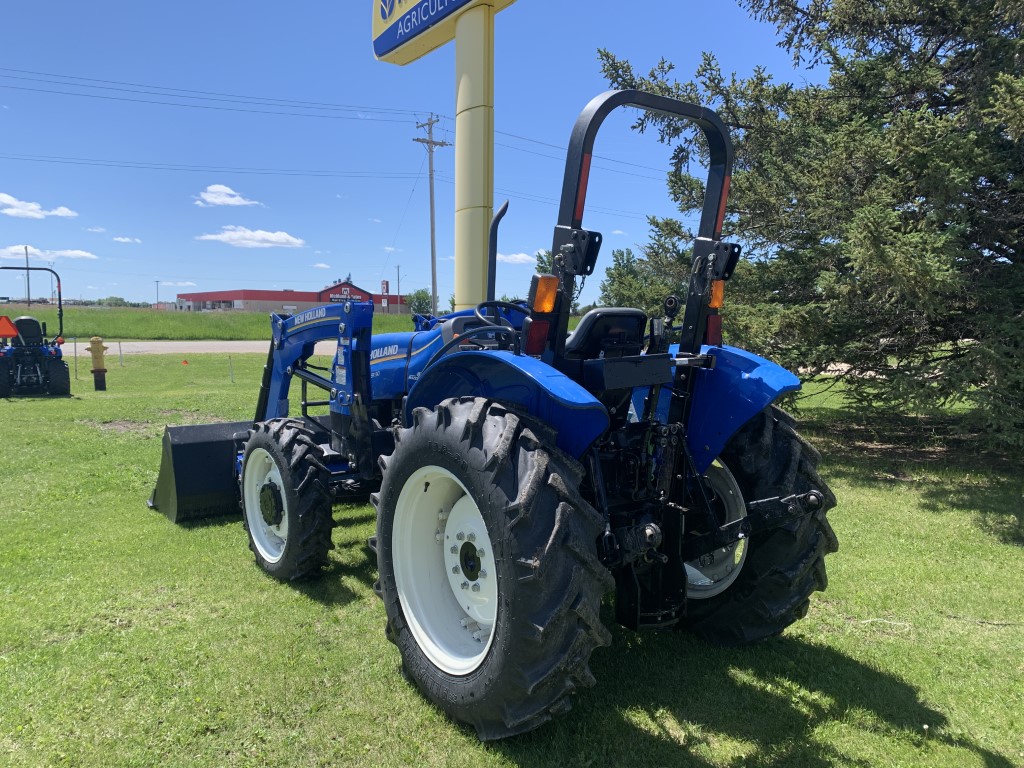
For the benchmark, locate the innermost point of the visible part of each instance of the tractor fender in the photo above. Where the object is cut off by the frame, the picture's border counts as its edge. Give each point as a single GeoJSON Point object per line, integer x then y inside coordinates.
{"type": "Point", "coordinates": [535, 387]}
{"type": "Point", "coordinates": [726, 397]}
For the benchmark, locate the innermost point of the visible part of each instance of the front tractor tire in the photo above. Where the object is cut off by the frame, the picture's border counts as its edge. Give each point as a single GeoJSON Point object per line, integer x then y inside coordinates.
{"type": "Point", "coordinates": [756, 588]}
{"type": "Point", "coordinates": [286, 506]}
{"type": "Point", "coordinates": [488, 566]}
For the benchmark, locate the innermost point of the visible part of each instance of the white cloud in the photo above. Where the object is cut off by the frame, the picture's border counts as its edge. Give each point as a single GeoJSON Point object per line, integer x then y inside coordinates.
{"type": "Point", "coordinates": [243, 237]}
{"type": "Point", "coordinates": [376, 221]}
{"type": "Point", "coordinates": [19, 209]}
{"type": "Point", "coordinates": [391, 249]}
{"type": "Point", "coordinates": [178, 283]}
{"type": "Point", "coordinates": [18, 252]}
{"type": "Point", "coordinates": [517, 258]}
{"type": "Point", "coordinates": [96, 229]}
{"type": "Point", "coordinates": [127, 240]}
{"type": "Point", "coordinates": [321, 265]}
{"type": "Point", "coordinates": [219, 194]}
{"type": "Point", "coordinates": [618, 232]}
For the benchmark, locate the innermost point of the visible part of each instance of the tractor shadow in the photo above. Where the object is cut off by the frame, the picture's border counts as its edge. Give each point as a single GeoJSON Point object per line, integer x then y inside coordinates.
{"type": "Point", "coordinates": [948, 465]}
{"type": "Point", "coordinates": [350, 559]}
{"type": "Point", "coordinates": [670, 699]}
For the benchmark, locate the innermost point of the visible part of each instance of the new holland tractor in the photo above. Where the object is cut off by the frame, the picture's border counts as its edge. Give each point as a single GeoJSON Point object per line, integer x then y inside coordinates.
{"type": "Point", "coordinates": [30, 363]}
{"type": "Point", "coordinates": [520, 472]}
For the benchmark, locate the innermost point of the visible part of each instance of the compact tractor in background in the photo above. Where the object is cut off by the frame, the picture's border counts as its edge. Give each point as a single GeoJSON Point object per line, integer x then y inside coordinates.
{"type": "Point", "coordinates": [520, 472]}
{"type": "Point", "coordinates": [30, 363]}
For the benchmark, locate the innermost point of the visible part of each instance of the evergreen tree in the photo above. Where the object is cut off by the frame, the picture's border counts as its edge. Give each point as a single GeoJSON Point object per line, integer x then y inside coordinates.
{"type": "Point", "coordinates": [880, 212]}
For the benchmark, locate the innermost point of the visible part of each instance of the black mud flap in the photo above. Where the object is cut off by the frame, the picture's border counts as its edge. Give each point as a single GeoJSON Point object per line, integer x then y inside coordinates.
{"type": "Point", "coordinates": [197, 472]}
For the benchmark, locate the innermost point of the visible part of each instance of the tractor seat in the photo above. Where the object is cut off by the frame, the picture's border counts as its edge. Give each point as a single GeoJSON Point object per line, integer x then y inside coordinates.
{"type": "Point", "coordinates": [607, 332]}
{"type": "Point", "coordinates": [30, 330]}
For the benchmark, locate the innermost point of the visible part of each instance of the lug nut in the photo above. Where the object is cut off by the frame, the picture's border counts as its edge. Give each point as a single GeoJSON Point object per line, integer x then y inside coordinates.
{"type": "Point", "coordinates": [453, 549]}
{"type": "Point", "coordinates": [483, 574]}
{"type": "Point", "coordinates": [460, 536]}
{"type": "Point", "coordinates": [476, 587]}
{"type": "Point", "coordinates": [471, 537]}
{"type": "Point", "coordinates": [465, 585]}
{"type": "Point", "coordinates": [479, 553]}
{"type": "Point", "coordinates": [455, 569]}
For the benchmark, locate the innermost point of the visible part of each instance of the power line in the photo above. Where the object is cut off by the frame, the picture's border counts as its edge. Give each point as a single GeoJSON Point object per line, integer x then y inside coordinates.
{"type": "Point", "coordinates": [533, 198]}
{"type": "Point", "coordinates": [204, 106]}
{"type": "Point", "coordinates": [153, 90]}
{"type": "Point", "coordinates": [224, 96]}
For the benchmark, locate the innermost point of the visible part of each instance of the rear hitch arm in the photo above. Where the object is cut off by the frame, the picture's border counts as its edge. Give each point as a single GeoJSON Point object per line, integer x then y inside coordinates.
{"type": "Point", "coordinates": [762, 515]}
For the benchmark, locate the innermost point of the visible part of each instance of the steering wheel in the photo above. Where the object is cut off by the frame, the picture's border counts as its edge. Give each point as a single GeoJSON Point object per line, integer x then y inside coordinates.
{"type": "Point", "coordinates": [478, 311]}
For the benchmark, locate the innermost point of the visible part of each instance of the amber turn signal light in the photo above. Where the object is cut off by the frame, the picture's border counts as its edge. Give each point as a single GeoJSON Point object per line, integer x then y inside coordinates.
{"type": "Point", "coordinates": [543, 294]}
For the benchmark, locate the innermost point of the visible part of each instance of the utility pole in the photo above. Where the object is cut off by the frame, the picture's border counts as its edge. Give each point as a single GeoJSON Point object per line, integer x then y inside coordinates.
{"type": "Point", "coordinates": [157, 305]}
{"type": "Point", "coordinates": [398, 281]}
{"type": "Point", "coordinates": [28, 281]}
{"type": "Point", "coordinates": [430, 144]}
{"type": "Point", "coordinates": [52, 294]}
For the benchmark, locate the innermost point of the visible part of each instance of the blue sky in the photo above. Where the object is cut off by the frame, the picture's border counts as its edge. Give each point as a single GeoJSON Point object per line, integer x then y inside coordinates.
{"type": "Point", "coordinates": [166, 142]}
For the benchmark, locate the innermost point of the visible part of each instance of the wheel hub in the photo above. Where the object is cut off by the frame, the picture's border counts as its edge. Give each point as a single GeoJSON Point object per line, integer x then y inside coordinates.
{"type": "Point", "coordinates": [712, 573]}
{"type": "Point", "coordinates": [445, 569]}
{"type": "Point", "coordinates": [271, 504]}
{"type": "Point", "coordinates": [466, 554]}
{"type": "Point", "coordinates": [469, 559]}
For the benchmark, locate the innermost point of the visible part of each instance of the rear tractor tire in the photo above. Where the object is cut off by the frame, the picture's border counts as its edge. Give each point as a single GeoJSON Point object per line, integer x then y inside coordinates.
{"type": "Point", "coordinates": [286, 505]}
{"type": "Point", "coordinates": [5, 378]}
{"type": "Point", "coordinates": [488, 566]}
{"type": "Point", "coordinates": [757, 587]}
{"type": "Point", "coordinates": [60, 379]}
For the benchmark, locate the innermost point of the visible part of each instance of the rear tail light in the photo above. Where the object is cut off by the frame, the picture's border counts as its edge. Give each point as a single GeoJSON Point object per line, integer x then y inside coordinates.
{"type": "Point", "coordinates": [536, 336]}
{"type": "Point", "coordinates": [713, 334]}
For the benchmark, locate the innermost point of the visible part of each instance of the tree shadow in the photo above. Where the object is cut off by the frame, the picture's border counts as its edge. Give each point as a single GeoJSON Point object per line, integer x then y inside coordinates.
{"type": "Point", "coordinates": [950, 466]}
{"type": "Point", "coordinates": [767, 701]}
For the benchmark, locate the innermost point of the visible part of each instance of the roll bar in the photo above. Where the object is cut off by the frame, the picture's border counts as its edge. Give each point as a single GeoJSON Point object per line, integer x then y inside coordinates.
{"type": "Point", "coordinates": [581, 146]}
{"type": "Point", "coordinates": [60, 303]}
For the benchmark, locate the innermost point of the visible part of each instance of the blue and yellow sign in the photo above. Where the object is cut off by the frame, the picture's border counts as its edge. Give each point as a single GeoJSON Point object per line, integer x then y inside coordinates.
{"type": "Point", "coordinates": [404, 30]}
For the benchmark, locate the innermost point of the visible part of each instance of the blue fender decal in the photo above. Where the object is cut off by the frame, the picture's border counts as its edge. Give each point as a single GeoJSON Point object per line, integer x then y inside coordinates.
{"type": "Point", "coordinates": [540, 390]}
{"type": "Point", "coordinates": [729, 395]}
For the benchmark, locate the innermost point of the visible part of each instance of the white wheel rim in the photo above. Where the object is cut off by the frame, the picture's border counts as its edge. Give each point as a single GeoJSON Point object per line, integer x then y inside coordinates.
{"type": "Point", "coordinates": [715, 572]}
{"type": "Point", "coordinates": [444, 570]}
{"type": "Point", "coordinates": [260, 469]}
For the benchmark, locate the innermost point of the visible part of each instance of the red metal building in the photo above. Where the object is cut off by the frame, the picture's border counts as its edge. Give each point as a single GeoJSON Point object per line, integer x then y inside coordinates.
{"type": "Point", "coordinates": [288, 301]}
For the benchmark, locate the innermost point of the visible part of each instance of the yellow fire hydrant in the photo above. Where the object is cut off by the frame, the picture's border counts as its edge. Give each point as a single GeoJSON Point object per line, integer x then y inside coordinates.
{"type": "Point", "coordinates": [99, 373]}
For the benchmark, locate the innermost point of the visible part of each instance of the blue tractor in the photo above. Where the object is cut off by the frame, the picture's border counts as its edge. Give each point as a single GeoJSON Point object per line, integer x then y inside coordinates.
{"type": "Point", "coordinates": [31, 363]}
{"type": "Point", "coordinates": [520, 472]}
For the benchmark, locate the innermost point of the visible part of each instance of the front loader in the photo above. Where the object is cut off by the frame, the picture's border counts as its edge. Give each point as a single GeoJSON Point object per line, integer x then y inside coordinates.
{"type": "Point", "coordinates": [520, 472]}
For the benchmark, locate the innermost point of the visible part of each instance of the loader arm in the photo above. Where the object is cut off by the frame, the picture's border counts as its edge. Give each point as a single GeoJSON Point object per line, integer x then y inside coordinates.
{"type": "Point", "coordinates": [293, 342]}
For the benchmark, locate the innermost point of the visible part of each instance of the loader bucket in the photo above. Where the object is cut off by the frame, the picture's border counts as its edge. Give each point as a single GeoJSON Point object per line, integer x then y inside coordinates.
{"type": "Point", "coordinates": [197, 472]}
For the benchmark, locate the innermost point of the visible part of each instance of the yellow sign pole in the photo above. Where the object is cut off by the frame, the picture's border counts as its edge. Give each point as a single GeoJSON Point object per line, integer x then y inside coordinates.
{"type": "Point", "coordinates": [405, 30]}
{"type": "Point", "coordinates": [474, 151]}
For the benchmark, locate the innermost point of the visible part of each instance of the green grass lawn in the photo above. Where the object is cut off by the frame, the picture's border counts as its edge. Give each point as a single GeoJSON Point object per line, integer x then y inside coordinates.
{"type": "Point", "coordinates": [128, 641]}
